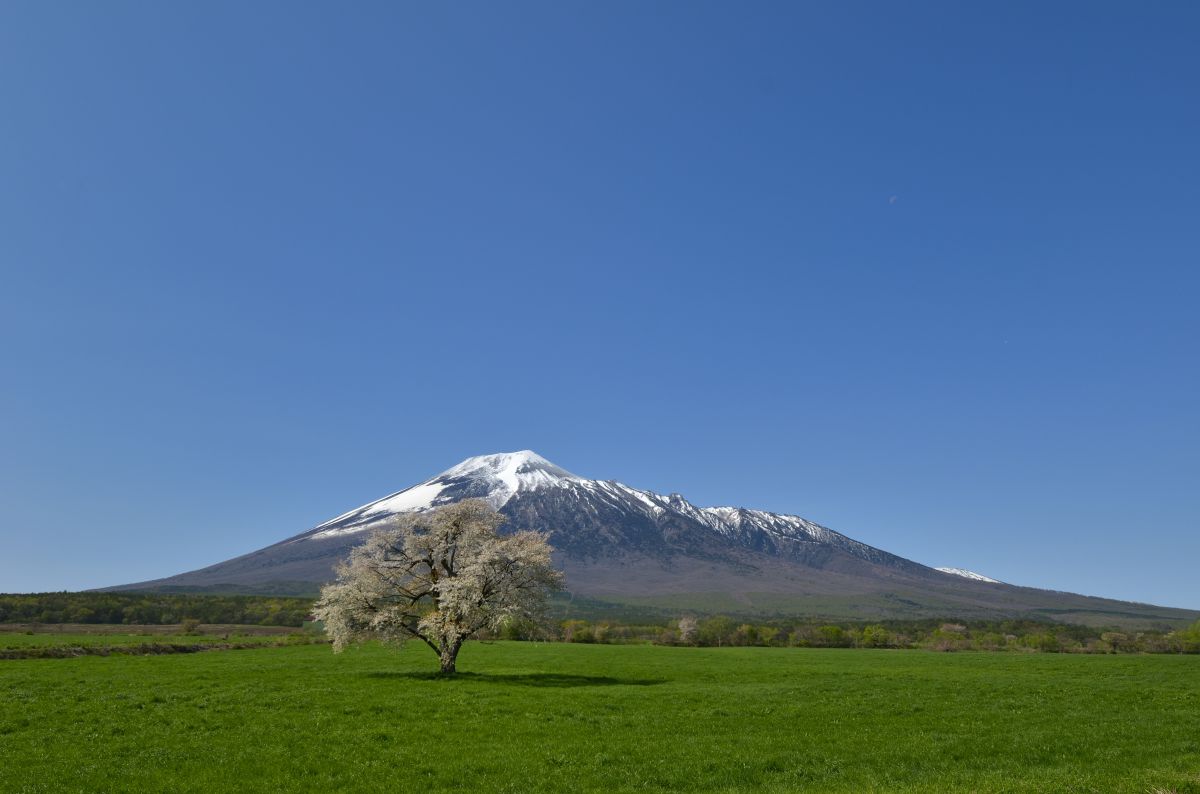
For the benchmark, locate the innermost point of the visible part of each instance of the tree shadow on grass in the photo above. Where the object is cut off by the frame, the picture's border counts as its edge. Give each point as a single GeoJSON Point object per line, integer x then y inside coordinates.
{"type": "Point", "coordinates": [556, 680]}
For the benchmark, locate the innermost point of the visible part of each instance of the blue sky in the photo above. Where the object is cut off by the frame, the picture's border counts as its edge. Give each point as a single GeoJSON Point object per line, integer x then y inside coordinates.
{"type": "Point", "coordinates": [924, 273]}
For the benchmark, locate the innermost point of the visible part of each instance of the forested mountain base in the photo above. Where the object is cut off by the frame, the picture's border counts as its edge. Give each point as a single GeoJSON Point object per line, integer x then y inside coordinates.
{"type": "Point", "coordinates": [152, 608]}
{"type": "Point", "coordinates": [588, 621]}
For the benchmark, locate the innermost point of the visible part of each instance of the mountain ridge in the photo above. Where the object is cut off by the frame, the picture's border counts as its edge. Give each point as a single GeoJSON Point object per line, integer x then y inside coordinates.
{"type": "Point", "coordinates": [628, 545]}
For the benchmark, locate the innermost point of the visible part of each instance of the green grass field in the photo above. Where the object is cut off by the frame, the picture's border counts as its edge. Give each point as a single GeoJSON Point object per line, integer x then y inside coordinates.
{"type": "Point", "coordinates": [558, 717]}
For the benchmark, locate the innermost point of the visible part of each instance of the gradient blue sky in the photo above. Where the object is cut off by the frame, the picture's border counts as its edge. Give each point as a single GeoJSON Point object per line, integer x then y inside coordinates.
{"type": "Point", "coordinates": [925, 272]}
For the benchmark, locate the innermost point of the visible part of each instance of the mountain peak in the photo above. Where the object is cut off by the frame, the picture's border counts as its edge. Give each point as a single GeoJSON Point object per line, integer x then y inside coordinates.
{"type": "Point", "coordinates": [514, 470]}
{"type": "Point", "coordinates": [496, 478]}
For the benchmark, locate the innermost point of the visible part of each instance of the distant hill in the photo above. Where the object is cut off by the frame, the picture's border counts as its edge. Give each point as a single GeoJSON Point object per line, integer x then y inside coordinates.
{"type": "Point", "coordinates": [629, 546]}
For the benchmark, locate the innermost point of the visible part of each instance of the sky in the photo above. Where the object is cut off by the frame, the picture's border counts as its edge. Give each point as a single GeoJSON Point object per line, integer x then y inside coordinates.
{"type": "Point", "coordinates": [926, 273]}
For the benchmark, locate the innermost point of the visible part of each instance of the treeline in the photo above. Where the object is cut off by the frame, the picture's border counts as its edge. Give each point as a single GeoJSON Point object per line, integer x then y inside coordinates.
{"type": "Point", "coordinates": [714, 631]}
{"type": "Point", "coordinates": [153, 609]}
{"type": "Point", "coordinates": [1005, 635]}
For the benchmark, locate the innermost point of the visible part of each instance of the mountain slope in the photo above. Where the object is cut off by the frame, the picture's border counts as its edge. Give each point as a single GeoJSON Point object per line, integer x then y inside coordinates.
{"type": "Point", "coordinates": [628, 545]}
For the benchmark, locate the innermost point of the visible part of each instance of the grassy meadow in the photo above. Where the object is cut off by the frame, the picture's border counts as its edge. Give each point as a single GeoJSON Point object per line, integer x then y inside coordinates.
{"type": "Point", "coordinates": [563, 717]}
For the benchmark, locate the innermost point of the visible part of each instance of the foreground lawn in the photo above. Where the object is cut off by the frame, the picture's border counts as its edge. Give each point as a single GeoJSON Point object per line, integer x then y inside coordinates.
{"type": "Point", "coordinates": [532, 717]}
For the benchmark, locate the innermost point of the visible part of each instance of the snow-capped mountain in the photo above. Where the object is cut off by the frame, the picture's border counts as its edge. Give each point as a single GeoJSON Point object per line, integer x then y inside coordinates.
{"type": "Point", "coordinates": [496, 478]}
{"type": "Point", "coordinates": [526, 476]}
{"type": "Point", "coordinates": [624, 544]}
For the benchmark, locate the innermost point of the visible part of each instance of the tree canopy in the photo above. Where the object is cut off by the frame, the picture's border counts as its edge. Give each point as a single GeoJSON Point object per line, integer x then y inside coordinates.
{"type": "Point", "coordinates": [438, 576]}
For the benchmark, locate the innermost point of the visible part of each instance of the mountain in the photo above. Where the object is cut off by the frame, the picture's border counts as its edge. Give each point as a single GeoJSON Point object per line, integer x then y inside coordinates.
{"type": "Point", "coordinates": [624, 545]}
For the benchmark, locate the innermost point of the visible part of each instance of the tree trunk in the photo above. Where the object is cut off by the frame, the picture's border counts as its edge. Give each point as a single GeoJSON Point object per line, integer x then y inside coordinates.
{"type": "Point", "coordinates": [448, 656]}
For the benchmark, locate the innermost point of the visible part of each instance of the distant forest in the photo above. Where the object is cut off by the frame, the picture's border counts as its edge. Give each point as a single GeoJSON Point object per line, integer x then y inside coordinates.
{"type": "Point", "coordinates": [153, 609]}
{"type": "Point", "coordinates": [623, 625]}
{"type": "Point", "coordinates": [1021, 635]}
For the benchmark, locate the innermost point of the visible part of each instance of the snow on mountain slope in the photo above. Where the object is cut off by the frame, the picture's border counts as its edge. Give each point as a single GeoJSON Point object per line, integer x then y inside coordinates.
{"type": "Point", "coordinates": [510, 472]}
{"type": "Point", "coordinates": [496, 478]}
{"type": "Point", "coordinates": [964, 573]}
{"type": "Point", "coordinates": [731, 520]}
